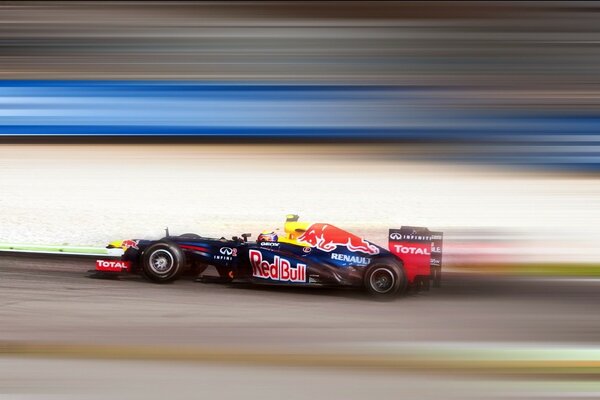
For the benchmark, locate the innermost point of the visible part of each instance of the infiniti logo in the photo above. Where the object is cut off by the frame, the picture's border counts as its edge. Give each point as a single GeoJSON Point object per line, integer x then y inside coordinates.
{"type": "Point", "coordinates": [226, 251]}
{"type": "Point", "coordinates": [415, 236]}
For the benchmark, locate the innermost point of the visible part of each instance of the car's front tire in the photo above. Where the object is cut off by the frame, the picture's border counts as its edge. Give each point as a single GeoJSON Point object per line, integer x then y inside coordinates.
{"type": "Point", "coordinates": [385, 279]}
{"type": "Point", "coordinates": [163, 262]}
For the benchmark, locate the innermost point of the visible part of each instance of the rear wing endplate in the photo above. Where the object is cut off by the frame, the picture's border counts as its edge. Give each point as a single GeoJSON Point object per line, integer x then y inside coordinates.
{"type": "Point", "coordinates": [420, 249]}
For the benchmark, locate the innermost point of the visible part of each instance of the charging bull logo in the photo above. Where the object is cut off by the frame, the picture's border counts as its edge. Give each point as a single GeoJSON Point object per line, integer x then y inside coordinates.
{"type": "Point", "coordinates": [328, 238]}
{"type": "Point", "coordinates": [130, 244]}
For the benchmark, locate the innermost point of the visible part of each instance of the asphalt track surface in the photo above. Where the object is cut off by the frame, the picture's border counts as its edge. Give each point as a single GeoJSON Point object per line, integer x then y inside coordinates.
{"type": "Point", "coordinates": [52, 300]}
{"type": "Point", "coordinates": [93, 379]}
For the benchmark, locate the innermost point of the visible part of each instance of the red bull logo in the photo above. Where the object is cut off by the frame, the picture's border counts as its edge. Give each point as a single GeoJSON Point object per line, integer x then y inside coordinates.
{"type": "Point", "coordinates": [130, 243]}
{"type": "Point", "coordinates": [280, 270]}
{"type": "Point", "coordinates": [327, 238]}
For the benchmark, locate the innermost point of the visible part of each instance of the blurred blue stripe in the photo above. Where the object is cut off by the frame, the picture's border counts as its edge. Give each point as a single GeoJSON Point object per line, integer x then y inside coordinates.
{"type": "Point", "coordinates": [423, 134]}
{"type": "Point", "coordinates": [205, 108]}
{"type": "Point", "coordinates": [239, 109]}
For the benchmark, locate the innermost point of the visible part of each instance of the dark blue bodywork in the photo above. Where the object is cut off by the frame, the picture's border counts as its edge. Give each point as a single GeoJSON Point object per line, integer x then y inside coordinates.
{"type": "Point", "coordinates": [269, 262]}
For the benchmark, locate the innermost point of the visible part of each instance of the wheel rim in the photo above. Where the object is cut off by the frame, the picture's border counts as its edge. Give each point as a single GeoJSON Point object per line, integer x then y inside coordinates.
{"type": "Point", "coordinates": [382, 280]}
{"type": "Point", "coordinates": [161, 262]}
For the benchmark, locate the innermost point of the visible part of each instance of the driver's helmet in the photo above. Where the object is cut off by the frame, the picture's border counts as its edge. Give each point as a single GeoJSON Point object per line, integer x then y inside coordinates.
{"type": "Point", "coordinates": [267, 237]}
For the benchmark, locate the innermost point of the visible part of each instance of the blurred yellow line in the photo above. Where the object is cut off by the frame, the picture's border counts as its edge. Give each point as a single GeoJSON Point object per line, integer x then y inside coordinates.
{"type": "Point", "coordinates": [276, 357]}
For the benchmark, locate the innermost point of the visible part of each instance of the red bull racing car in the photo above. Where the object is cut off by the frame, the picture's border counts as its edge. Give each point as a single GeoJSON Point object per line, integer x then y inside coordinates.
{"type": "Point", "coordinates": [309, 254]}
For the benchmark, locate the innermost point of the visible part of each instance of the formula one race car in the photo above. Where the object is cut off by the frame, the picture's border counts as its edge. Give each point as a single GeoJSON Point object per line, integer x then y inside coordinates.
{"type": "Point", "coordinates": [310, 254]}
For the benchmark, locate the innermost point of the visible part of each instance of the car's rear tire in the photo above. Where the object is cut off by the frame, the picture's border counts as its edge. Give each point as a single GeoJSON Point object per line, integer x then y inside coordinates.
{"type": "Point", "coordinates": [385, 279]}
{"type": "Point", "coordinates": [163, 262]}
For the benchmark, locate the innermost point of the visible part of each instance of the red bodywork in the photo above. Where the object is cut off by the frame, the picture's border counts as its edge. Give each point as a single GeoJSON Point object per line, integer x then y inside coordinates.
{"type": "Point", "coordinates": [420, 251]}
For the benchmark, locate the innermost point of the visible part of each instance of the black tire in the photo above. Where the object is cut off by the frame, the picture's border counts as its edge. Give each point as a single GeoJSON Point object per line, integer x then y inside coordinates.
{"type": "Point", "coordinates": [385, 279]}
{"type": "Point", "coordinates": [163, 262]}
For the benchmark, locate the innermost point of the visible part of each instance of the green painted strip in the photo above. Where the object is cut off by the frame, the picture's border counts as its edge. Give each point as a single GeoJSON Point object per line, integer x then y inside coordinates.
{"type": "Point", "coordinates": [579, 270]}
{"type": "Point", "coordinates": [576, 270]}
{"type": "Point", "coordinates": [52, 249]}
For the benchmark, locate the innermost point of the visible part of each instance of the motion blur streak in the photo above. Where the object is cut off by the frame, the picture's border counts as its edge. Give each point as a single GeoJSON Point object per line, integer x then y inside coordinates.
{"type": "Point", "coordinates": [539, 51]}
{"type": "Point", "coordinates": [276, 111]}
{"type": "Point", "coordinates": [517, 81]}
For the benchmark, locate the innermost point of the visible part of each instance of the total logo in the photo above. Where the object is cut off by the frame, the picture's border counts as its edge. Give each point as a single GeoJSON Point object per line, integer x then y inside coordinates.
{"type": "Point", "coordinates": [351, 259]}
{"type": "Point", "coordinates": [112, 265]}
{"type": "Point", "coordinates": [280, 270]}
{"type": "Point", "coordinates": [411, 250]}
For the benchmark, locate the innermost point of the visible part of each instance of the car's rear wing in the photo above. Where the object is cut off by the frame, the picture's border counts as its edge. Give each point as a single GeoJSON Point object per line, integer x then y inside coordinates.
{"type": "Point", "coordinates": [421, 252]}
